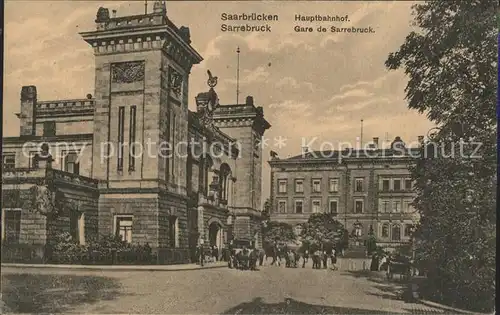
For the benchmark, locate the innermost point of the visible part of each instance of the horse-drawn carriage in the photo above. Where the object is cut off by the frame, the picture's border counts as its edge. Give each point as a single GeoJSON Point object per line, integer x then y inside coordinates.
{"type": "Point", "coordinates": [243, 255]}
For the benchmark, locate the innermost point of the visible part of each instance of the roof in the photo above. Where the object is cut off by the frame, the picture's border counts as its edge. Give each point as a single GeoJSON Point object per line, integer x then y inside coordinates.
{"type": "Point", "coordinates": [350, 154]}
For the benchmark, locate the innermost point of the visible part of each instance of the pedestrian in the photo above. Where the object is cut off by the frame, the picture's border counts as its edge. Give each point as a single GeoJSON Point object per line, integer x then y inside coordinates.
{"type": "Point", "coordinates": [374, 263]}
{"type": "Point", "coordinates": [305, 258]}
{"type": "Point", "coordinates": [316, 259]}
{"type": "Point", "coordinates": [325, 259]}
{"type": "Point", "coordinates": [202, 255]}
{"type": "Point", "coordinates": [261, 257]}
{"type": "Point", "coordinates": [334, 259]}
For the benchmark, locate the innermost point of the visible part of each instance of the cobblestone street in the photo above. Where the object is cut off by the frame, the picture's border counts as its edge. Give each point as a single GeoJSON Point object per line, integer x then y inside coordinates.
{"type": "Point", "coordinates": [272, 290]}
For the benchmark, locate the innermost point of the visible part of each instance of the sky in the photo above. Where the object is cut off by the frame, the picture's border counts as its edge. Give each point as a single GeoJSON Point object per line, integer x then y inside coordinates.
{"type": "Point", "coordinates": [316, 85]}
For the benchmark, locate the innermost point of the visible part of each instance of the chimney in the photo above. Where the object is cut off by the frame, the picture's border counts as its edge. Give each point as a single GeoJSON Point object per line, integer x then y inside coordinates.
{"type": "Point", "coordinates": [114, 13]}
{"type": "Point", "coordinates": [375, 142]}
{"type": "Point", "coordinates": [249, 100]}
{"type": "Point", "coordinates": [420, 139]}
{"type": "Point", "coordinates": [28, 106]}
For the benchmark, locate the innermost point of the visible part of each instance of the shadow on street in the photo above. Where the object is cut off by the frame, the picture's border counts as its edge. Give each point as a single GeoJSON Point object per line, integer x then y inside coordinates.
{"type": "Point", "coordinates": [42, 293]}
{"type": "Point", "coordinates": [291, 306]}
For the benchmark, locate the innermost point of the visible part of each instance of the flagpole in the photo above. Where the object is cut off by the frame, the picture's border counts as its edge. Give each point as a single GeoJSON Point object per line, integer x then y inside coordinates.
{"type": "Point", "coordinates": [361, 137]}
{"type": "Point", "coordinates": [145, 6]}
{"type": "Point", "coordinates": [238, 76]}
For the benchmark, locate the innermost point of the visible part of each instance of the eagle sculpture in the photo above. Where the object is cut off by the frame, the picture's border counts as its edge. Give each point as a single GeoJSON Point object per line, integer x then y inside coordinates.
{"type": "Point", "coordinates": [212, 81]}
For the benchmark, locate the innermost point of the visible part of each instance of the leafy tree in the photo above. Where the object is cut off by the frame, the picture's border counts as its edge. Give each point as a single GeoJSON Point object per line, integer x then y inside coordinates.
{"type": "Point", "coordinates": [277, 232]}
{"type": "Point", "coordinates": [322, 228]}
{"type": "Point", "coordinates": [451, 62]}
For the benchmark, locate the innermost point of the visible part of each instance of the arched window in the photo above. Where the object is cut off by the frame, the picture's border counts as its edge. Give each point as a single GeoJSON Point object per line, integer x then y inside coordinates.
{"type": "Point", "coordinates": [173, 231]}
{"type": "Point", "coordinates": [396, 232]}
{"type": "Point", "coordinates": [225, 172]}
{"type": "Point", "coordinates": [385, 230]}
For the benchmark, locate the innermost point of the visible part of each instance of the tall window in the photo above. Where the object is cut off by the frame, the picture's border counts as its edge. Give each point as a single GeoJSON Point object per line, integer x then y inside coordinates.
{"type": "Point", "coordinates": [408, 184]}
{"type": "Point", "coordinates": [396, 232]}
{"type": "Point", "coordinates": [316, 206]}
{"type": "Point", "coordinates": [131, 140]}
{"type": "Point", "coordinates": [316, 183]}
{"type": "Point", "coordinates": [33, 161]}
{"type": "Point", "coordinates": [282, 206]}
{"type": "Point", "coordinates": [121, 137]}
{"type": "Point", "coordinates": [397, 185]}
{"type": "Point", "coordinates": [385, 205]}
{"type": "Point", "coordinates": [76, 226]}
{"type": "Point", "coordinates": [397, 206]}
{"type": "Point", "coordinates": [49, 128]}
{"type": "Point", "coordinates": [385, 185]}
{"type": "Point", "coordinates": [334, 185]}
{"type": "Point", "coordinates": [385, 230]}
{"type": "Point", "coordinates": [358, 184]}
{"type": "Point", "coordinates": [407, 206]}
{"type": "Point", "coordinates": [124, 227]}
{"type": "Point", "coordinates": [9, 161]}
{"type": "Point", "coordinates": [298, 206]}
{"type": "Point", "coordinates": [408, 230]}
{"type": "Point", "coordinates": [173, 232]}
{"type": "Point", "coordinates": [333, 206]}
{"type": "Point", "coordinates": [299, 185]}
{"type": "Point", "coordinates": [11, 225]}
{"type": "Point", "coordinates": [71, 164]}
{"type": "Point", "coordinates": [282, 186]}
{"type": "Point", "coordinates": [172, 142]}
{"type": "Point", "coordinates": [358, 206]}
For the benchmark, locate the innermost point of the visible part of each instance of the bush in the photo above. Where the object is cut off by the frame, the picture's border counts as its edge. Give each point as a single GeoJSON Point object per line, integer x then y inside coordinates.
{"type": "Point", "coordinates": [107, 250]}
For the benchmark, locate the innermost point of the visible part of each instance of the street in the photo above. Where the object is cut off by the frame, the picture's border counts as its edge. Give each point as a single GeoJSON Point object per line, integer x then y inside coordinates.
{"type": "Point", "coordinates": [271, 290]}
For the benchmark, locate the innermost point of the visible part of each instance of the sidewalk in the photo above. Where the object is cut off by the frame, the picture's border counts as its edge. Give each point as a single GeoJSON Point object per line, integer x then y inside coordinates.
{"type": "Point", "coordinates": [220, 264]}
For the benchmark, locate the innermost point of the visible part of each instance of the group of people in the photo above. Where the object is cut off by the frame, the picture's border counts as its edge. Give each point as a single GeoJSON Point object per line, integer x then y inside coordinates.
{"type": "Point", "coordinates": [292, 257]}
{"type": "Point", "coordinates": [245, 259]}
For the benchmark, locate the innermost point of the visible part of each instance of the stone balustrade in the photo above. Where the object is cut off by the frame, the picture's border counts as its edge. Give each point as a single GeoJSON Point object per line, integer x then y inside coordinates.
{"type": "Point", "coordinates": [70, 178]}
{"type": "Point", "coordinates": [65, 104]}
{"type": "Point", "coordinates": [22, 173]}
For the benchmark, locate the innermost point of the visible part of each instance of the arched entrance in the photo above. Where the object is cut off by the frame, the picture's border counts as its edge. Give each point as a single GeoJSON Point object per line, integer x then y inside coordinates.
{"type": "Point", "coordinates": [215, 235]}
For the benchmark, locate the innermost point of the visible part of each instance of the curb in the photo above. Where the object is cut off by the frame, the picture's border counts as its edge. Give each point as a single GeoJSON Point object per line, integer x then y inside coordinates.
{"type": "Point", "coordinates": [111, 268]}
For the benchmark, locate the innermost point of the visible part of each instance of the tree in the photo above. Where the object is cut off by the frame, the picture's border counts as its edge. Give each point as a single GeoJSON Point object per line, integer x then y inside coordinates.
{"type": "Point", "coordinates": [322, 229]}
{"type": "Point", "coordinates": [451, 62]}
{"type": "Point", "coordinates": [277, 232]}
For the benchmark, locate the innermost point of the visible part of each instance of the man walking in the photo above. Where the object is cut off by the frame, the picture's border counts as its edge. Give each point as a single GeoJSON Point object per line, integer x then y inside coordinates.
{"type": "Point", "coordinates": [305, 258]}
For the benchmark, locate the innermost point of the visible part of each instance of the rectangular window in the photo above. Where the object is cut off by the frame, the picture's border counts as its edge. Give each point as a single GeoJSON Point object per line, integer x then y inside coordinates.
{"type": "Point", "coordinates": [33, 160]}
{"type": "Point", "coordinates": [282, 186]}
{"type": "Point", "coordinates": [49, 128]}
{"type": "Point", "coordinates": [71, 164]}
{"type": "Point", "coordinates": [124, 227]}
{"type": "Point", "coordinates": [9, 161]}
{"type": "Point", "coordinates": [316, 183]}
{"type": "Point", "coordinates": [11, 225]}
{"type": "Point", "coordinates": [408, 230]}
{"type": "Point", "coordinates": [385, 185]}
{"type": "Point", "coordinates": [298, 206]}
{"type": "Point", "coordinates": [316, 206]}
{"type": "Point", "coordinates": [166, 147]}
{"type": "Point", "coordinates": [358, 184]}
{"type": "Point", "coordinates": [385, 206]}
{"type": "Point", "coordinates": [76, 227]}
{"type": "Point", "coordinates": [299, 185]}
{"type": "Point", "coordinates": [333, 206]}
{"type": "Point", "coordinates": [407, 207]}
{"type": "Point", "coordinates": [121, 137]}
{"type": "Point", "coordinates": [334, 185]}
{"type": "Point", "coordinates": [173, 232]}
{"type": "Point", "coordinates": [282, 206]}
{"type": "Point", "coordinates": [397, 185]}
{"type": "Point", "coordinates": [358, 206]}
{"type": "Point", "coordinates": [408, 184]}
{"type": "Point", "coordinates": [397, 206]}
{"type": "Point", "coordinates": [131, 140]}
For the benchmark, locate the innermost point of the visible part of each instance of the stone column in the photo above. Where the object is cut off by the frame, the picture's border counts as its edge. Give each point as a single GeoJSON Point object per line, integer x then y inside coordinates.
{"type": "Point", "coordinates": [201, 223]}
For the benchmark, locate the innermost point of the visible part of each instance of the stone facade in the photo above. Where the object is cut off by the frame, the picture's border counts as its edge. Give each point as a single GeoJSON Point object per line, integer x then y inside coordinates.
{"type": "Point", "coordinates": [366, 190]}
{"type": "Point", "coordinates": [172, 195]}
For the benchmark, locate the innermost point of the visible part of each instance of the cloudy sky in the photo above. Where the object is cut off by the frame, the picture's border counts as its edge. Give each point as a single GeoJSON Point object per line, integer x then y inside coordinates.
{"type": "Point", "coordinates": [309, 84]}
